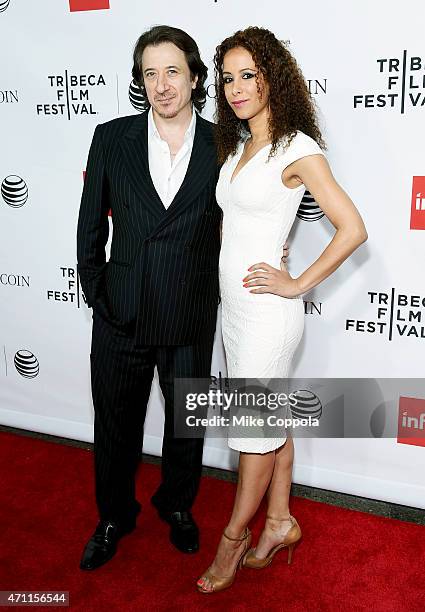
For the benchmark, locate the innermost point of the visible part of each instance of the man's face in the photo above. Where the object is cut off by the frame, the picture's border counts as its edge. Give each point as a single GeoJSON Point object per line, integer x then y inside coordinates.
{"type": "Point", "coordinates": [167, 79]}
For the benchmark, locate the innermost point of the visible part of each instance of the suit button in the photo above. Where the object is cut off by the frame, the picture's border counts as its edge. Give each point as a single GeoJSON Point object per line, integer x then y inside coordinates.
{"type": "Point", "coordinates": [183, 282]}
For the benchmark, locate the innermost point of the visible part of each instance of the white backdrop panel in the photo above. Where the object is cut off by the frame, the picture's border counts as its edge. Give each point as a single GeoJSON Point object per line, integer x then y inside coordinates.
{"type": "Point", "coordinates": [374, 153]}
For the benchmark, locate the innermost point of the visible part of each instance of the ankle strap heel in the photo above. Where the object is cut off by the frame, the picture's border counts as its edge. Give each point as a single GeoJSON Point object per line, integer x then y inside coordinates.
{"type": "Point", "coordinates": [290, 539]}
{"type": "Point", "coordinates": [244, 537]}
{"type": "Point", "coordinates": [219, 583]}
{"type": "Point", "coordinates": [285, 518]}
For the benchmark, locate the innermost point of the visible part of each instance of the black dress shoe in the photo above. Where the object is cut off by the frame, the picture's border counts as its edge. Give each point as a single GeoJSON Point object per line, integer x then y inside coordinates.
{"type": "Point", "coordinates": [184, 532]}
{"type": "Point", "coordinates": [102, 546]}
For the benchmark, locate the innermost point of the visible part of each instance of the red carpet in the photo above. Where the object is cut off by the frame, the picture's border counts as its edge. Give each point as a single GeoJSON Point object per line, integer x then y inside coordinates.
{"type": "Point", "coordinates": [347, 560]}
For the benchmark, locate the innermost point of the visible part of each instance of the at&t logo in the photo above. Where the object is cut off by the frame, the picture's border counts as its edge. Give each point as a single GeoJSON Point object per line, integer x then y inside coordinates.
{"type": "Point", "coordinates": [135, 96]}
{"type": "Point", "coordinates": [14, 191]}
{"type": "Point", "coordinates": [309, 210]}
{"type": "Point", "coordinates": [3, 5]}
{"type": "Point", "coordinates": [306, 404]}
{"type": "Point", "coordinates": [26, 364]}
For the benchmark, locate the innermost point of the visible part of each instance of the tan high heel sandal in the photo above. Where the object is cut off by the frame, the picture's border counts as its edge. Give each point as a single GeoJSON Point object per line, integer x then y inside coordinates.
{"type": "Point", "coordinates": [289, 541]}
{"type": "Point", "coordinates": [219, 583]}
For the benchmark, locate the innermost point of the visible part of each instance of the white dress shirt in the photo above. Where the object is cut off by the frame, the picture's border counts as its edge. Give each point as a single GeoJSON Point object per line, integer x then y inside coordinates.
{"type": "Point", "coordinates": [167, 176]}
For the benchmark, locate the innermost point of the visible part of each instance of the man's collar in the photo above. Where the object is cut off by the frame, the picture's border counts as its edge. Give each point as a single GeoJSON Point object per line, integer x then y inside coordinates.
{"type": "Point", "coordinates": [190, 132]}
{"type": "Point", "coordinates": [153, 130]}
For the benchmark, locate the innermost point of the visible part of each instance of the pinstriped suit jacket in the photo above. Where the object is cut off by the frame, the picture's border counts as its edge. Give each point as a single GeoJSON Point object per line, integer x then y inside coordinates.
{"type": "Point", "coordinates": [161, 281]}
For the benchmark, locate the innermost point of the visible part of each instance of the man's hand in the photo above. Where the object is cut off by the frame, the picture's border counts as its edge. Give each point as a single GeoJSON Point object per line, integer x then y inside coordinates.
{"type": "Point", "coordinates": [285, 254]}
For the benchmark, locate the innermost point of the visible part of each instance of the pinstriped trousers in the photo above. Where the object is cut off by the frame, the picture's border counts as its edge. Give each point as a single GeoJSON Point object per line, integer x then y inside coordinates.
{"type": "Point", "coordinates": [121, 376]}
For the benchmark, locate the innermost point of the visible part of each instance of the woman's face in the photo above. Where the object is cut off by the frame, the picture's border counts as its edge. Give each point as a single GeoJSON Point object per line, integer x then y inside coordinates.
{"type": "Point", "coordinates": [240, 84]}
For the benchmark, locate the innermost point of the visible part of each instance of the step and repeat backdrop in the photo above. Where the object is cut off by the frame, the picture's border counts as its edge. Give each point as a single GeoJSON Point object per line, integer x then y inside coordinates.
{"type": "Point", "coordinates": [66, 66]}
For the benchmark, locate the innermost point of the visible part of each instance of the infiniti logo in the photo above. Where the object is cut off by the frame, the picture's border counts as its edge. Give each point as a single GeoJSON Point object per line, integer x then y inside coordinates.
{"type": "Point", "coordinates": [308, 405]}
{"type": "Point", "coordinates": [26, 363]}
{"type": "Point", "coordinates": [3, 5]}
{"type": "Point", "coordinates": [309, 210]}
{"type": "Point", "coordinates": [14, 191]}
{"type": "Point", "coordinates": [135, 95]}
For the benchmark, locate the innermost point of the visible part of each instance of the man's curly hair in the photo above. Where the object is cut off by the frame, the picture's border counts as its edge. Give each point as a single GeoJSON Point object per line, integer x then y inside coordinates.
{"type": "Point", "coordinates": [290, 102]}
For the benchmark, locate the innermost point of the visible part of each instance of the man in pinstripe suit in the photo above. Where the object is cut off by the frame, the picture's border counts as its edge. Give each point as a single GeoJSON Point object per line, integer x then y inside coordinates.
{"type": "Point", "coordinates": [155, 301]}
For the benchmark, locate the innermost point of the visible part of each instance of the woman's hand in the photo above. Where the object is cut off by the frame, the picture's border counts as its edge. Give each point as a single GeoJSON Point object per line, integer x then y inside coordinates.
{"type": "Point", "coordinates": [266, 279]}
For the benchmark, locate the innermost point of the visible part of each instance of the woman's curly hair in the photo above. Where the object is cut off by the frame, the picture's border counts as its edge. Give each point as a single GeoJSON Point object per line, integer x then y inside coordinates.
{"type": "Point", "coordinates": [290, 102]}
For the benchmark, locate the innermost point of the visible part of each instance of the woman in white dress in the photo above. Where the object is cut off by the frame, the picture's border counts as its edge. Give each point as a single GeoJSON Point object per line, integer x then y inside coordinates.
{"type": "Point", "coordinates": [270, 145]}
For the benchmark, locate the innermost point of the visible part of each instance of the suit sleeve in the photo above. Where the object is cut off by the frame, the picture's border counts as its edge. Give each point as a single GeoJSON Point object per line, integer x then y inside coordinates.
{"type": "Point", "coordinates": [93, 225]}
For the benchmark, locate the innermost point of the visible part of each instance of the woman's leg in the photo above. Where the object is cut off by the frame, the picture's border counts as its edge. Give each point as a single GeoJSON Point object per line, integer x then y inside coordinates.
{"type": "Point", "coordinates": [255, 473]}
{"type": "Point", "coordinates": [278, 500]}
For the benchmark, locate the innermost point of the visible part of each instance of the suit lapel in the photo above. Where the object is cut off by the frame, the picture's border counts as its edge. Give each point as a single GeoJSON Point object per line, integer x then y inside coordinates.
{"type": "Point", "coordinates": [202, 164]}
{"type": "Point", "coordinates": [134, 144]}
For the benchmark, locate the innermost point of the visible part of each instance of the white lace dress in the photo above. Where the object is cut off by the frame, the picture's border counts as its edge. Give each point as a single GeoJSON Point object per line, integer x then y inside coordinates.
{"type": "Point", "coordinates": [260, 331]}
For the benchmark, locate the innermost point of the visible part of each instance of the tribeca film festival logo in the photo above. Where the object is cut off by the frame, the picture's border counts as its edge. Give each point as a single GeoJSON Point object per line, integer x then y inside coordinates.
{"type": "Point", "coordinates": [404, 85]}
{"type": "Point", "coordinates": [26, 364]}
{"type": "Point", "coordinates": [417, 212]}
{"type": "Point", "coordinates": [72, 94]}
{"type": "Point", "coordinates": [14, 191]}
{"type": "Point", "coordinates": [397, 314]}
{"type": "Point", "coordinates": [411, 421]}
{"type": "Point", "coordinates": [70, 290]}
{"type": "Point", "coordinates": [88, 5]}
